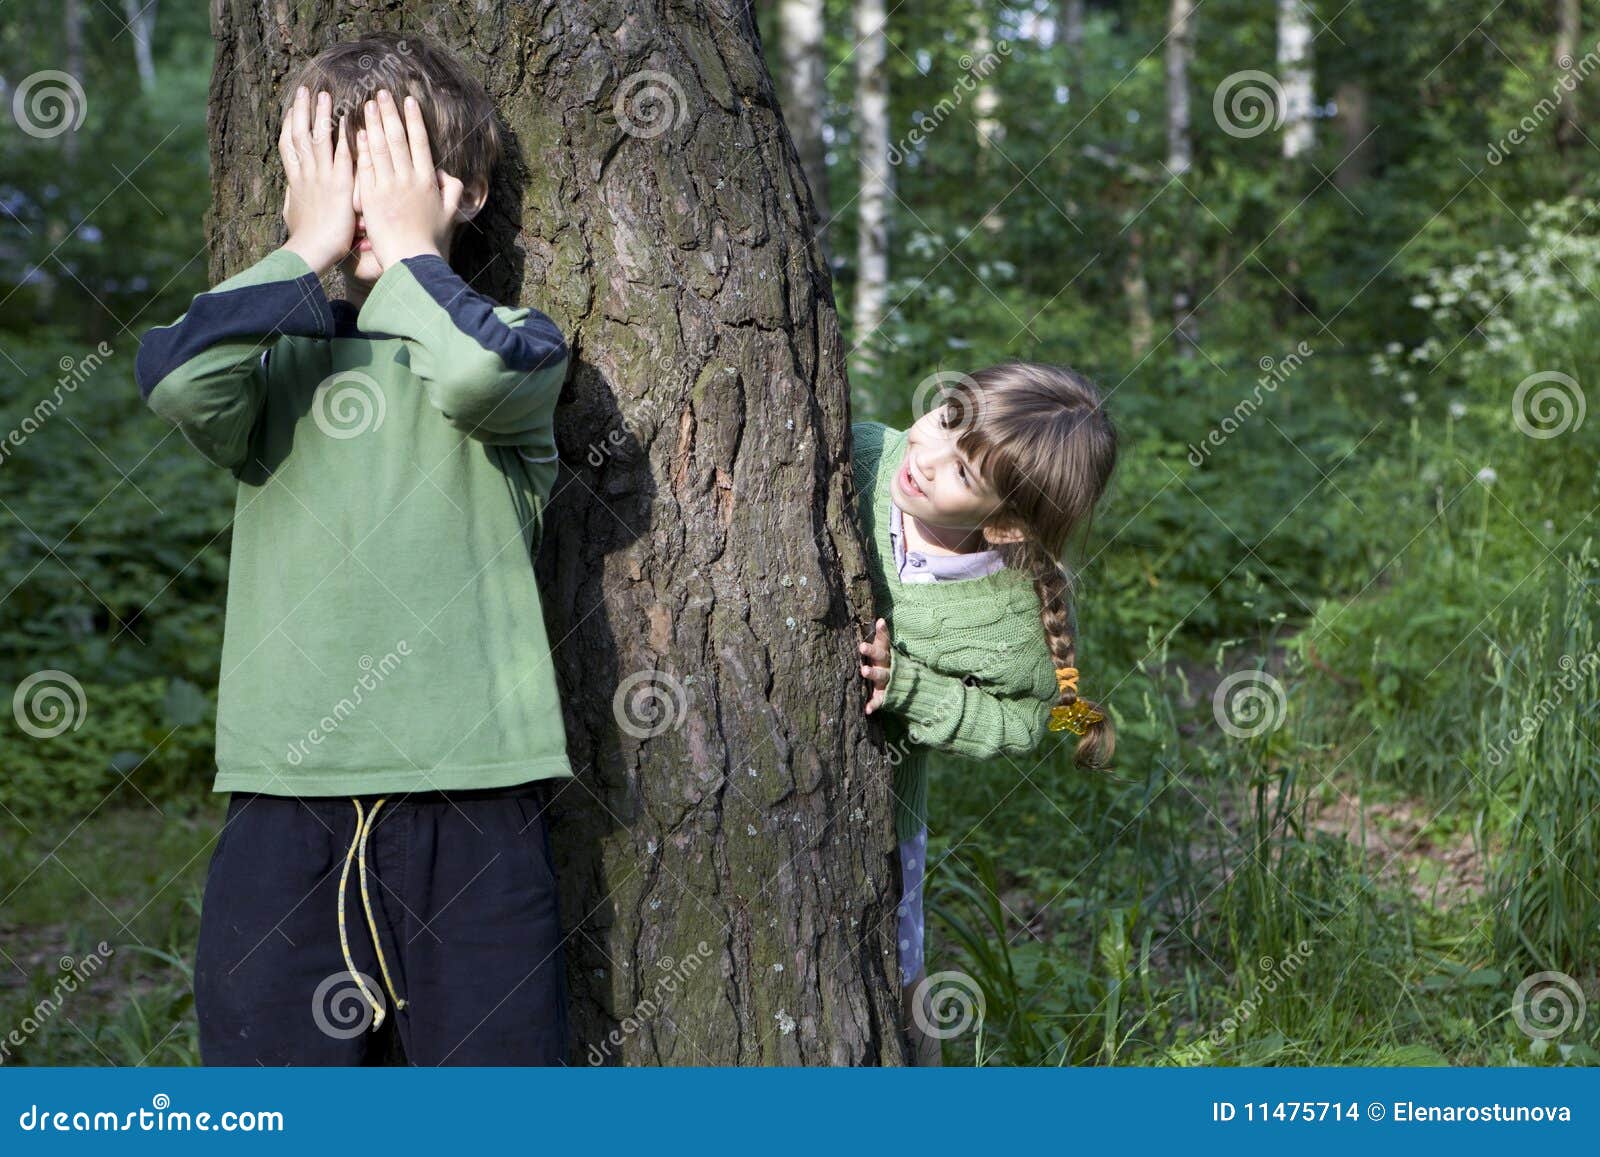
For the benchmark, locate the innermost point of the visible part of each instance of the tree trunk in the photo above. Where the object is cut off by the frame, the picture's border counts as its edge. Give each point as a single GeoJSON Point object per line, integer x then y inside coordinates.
{"type": "Point", "coordinates": [872, 204]}
{"type": "Point", "coordinates": [1071, 18]}
{"type": "Point", "coordinates": [1180, 50]}
{"type": "Point", "coordinates": [989, 128]}
{"type": "Point", "coordinates": [1180, 158]}
{"type": "Point", "coordinates": [1136, 292]}
{"type": "Point", "coordinates": [802, 88]}
{"type": "Point", "coordinates": [1355, 136]}
{"type": "Point", "coordinates": [1567, 131]}
{"type": "Point", "coordinates": [1295, 75]}
{"type": "Point", "coordinates": [141, 22]}
{"type": "Point", "coordinates": [726, 851]}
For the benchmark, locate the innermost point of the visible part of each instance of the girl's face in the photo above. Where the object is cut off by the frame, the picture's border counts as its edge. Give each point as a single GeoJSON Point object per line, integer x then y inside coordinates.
{"type": "Point", "coordinates": [936, 484]}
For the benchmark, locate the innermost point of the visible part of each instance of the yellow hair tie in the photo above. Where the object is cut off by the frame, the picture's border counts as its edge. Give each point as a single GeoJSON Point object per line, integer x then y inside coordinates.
{"type": "Point", "coordinates": [1077, 715]}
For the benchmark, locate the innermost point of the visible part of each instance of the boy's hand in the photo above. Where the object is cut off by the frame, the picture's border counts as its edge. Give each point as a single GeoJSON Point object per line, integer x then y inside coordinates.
{"type": "Point", "coordinates": [317, 203]}
{"type": "Point", "coordinates": [876, 668]}
{"type": "Point", "coordinates": [408, 207]}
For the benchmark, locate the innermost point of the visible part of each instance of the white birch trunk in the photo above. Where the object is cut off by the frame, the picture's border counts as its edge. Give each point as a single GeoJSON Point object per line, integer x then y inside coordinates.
{"type": "Point", "coordinates": [872, 205]}
{"type": "Point", "coordinates": [1295, 76]}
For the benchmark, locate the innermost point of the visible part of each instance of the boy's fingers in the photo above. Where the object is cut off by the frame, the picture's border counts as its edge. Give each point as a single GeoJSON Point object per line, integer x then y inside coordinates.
{"type": "Point", "coordinates": [374, 147]}
{"type": "Point", "coordinates": [302, 123]}
{"type": "Point", "coordinates": [417, 135]}
{"type": "Point", "coordinates": [364, 170]}
{"type": "Point", "coordinates": [394, 128]}
{"type": "Point", "coordinates": [341, 151]}
{"type": "Point", "coordinates": [322, 127]}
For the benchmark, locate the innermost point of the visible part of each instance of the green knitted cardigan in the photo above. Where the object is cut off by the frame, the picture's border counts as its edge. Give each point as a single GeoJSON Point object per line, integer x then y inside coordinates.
{"type": "Point", "coordinates": [970, 669]}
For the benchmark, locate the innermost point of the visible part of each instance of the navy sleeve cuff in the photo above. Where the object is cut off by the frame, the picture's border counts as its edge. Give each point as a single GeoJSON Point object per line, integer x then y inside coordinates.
{"type": "Point", "coordinates": [532, 345]}
{"type": "Point", "coordinates": [259, 312]}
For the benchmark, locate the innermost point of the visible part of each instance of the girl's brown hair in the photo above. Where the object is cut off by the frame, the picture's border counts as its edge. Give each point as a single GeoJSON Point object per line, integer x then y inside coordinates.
{"type": "Point", "coordinates": [463, 134]}
{"type": "Point", "coordinates": [1040, 437]}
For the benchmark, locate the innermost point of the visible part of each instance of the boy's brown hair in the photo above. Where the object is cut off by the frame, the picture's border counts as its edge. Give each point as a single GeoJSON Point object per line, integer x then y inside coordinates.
{"type": "Point", "coordinates": [462, 131]}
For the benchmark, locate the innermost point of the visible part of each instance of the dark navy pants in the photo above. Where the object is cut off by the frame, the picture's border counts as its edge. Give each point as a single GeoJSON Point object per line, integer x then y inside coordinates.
{"type": "Point", "coordinates": [463, 896]}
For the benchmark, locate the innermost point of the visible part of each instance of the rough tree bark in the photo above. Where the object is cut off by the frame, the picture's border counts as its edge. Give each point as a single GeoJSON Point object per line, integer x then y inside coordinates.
{"type": "Point", "coordinates": [726, 851]}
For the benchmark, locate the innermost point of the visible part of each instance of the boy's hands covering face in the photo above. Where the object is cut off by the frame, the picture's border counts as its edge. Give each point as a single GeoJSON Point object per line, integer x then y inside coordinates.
{"type": "Point", "coordinates": [317, 204]}
{"type": "Point", "coordinates": [408, 207]}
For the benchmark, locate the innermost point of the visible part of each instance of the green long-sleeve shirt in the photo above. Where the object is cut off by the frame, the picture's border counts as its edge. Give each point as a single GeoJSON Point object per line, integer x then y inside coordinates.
{"type": "Point", "coordinates": [970, 670]}
{"type": "Point", "coordinates": [383, 629]}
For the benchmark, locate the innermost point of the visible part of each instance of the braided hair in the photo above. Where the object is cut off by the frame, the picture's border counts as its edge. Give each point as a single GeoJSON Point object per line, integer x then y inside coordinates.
{"type": "Point", "coordinates": [1040, 436]}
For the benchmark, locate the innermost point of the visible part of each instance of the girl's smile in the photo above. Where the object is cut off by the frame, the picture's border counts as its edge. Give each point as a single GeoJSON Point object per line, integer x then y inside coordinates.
{"type": "Point", "coordinates": [908, 484]}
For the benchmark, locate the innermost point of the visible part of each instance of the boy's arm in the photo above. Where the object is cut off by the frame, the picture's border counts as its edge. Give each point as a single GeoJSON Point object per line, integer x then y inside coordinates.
{"type": "Point", "coordinates": [204, 372]}
{"type": "Point", "coordinates": [949, 714]}
{"type": "Point", "coordinates": [493, 373]}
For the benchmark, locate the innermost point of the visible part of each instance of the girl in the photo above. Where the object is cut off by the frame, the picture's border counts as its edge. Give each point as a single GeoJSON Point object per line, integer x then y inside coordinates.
{"type": "Point", "coordinates": [966, 515]}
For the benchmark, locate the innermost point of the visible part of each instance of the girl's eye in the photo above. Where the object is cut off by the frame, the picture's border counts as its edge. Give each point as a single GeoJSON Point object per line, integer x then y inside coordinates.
{"type": "Point", "coordinates": [961, 472]}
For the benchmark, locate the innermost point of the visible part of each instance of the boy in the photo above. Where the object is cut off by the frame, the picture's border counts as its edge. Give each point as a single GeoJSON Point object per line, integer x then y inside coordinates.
{"type": "Point", "coordinates": [387, 710]}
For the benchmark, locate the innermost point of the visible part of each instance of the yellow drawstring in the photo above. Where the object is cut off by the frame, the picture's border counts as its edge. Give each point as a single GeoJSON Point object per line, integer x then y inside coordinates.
{"type": "Point", "coordinates": [358, 844]}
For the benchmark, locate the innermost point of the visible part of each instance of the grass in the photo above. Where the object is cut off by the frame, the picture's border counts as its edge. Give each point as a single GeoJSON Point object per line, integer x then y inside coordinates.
{"type": "Point", "coordinates": [123, 890]}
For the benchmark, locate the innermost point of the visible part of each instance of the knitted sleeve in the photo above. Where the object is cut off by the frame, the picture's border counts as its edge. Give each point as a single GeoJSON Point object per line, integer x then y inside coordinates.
{"type": "Point", "coordinates": [960, 715]}
{"type": "Point", "coordinates": [866, 444]}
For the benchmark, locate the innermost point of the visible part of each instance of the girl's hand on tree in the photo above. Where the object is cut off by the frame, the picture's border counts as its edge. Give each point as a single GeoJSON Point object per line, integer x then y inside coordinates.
{"type": "Point", "coordinates": [876, 668]}
{"type": "Point", "coordinates": [317, 206]}
{"type": "Point", "coordinates": [408, 206]}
